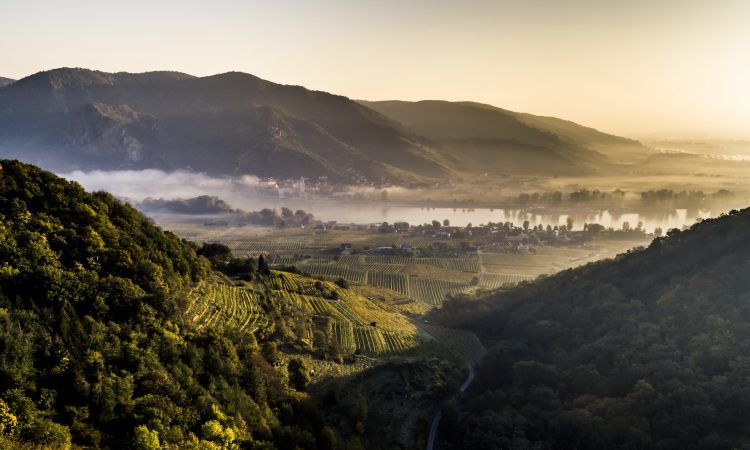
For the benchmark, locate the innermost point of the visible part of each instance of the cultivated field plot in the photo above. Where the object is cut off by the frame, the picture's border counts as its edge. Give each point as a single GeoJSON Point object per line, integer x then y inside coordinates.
{"type": "Point", "coordinates": [387, 272]}
{"type": "Point", "coordinates": [213, 303]}
{"type": "Point", "coordinates": [369, 340]}
{"type": "Point", "coordinates": [356, 237]}
{"type": "Point", "coordinates": [392, 281]}
{"type": "Point", "coordinates": [361, 262]}
{"type": "Point", "coordinates": [277, 260]}
{"type": "Point", "coordinates": [463, 344]}
{"type": "Point", "coordinates": [463, 264]}
{"type": "Point", "coordinates": [351, 260]}
{"type": "Point", "coordinates": [255, 248]}
{"type": "Point", "coordinates": [572, 253]}
{"type": "Point", "coordinates": [293, 238]}
{"type": "Point", "coordinates": [358, 322]}
{"type": "Point", "coordinates": [521, 264]}
{"type": "Point", "coordinates": [435, 291]}
{"type": "Point", "coordinates": [494, 281]}
{"type": "Point", "coordinates": [316, 261]}
{"type": "Point", "coordinates": [470, 264]}
{"type": "Point", "coordinates": [384, 268]}
{"type": "Point", "coordinates": [387, 259]}
{"type": "Point", "coordinates": [427, 280]}
{"type": "Point", "coordinates": [343, 333]}
{"type": "Point", "coordinates": [516, 260]}
{"type": "Point", "coordinates": [336, 271]}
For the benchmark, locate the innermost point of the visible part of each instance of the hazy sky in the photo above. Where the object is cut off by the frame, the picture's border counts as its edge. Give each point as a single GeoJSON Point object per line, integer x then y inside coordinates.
{"type": "Point", "coordinates": [631, 67]}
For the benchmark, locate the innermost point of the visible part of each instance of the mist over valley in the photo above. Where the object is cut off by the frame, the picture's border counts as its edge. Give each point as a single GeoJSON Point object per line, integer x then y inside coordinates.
{"type": "Point", "coordinates": [345, 225]}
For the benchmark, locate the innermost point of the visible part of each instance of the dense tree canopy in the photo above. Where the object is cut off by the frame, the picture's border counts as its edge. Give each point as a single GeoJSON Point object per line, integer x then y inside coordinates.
{"type": "Point", "coordinates": [93, 346]}
{"type": "Point", "coordinates": [647, 351]}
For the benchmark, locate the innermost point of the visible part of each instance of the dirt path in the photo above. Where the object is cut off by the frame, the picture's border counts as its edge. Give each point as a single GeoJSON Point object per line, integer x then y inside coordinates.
{"type": "Point", "coordinates": [482, 269]}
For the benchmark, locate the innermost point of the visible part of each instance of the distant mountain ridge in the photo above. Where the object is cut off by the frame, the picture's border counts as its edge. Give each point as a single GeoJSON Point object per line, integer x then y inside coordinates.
{"type": "Point", "coordinates": [235, 123]}
{"type": "Point", "coordinates": [492, 138]}
{"type": "Point", "coordinates": [5, 81]}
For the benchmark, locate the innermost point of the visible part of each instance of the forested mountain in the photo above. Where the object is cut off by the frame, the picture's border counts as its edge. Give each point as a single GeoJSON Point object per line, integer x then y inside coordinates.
{"type": "Point", "coordinates": [236, 123]}
{"type": "Point", "coordinates": [649, 350]}
{"type": "Point", "coordinates": [5, 81]}
{"type": "Point", "coordinates": [483, 137]}
{"type": "Point", "coordinates": [227, 124]}
{"type": "Point", "coordinates": [94, 345]}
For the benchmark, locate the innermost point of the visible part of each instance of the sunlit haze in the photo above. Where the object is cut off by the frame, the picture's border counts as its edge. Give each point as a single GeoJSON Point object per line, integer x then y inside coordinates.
{"type": "Point", "coordinates": [675, 68]}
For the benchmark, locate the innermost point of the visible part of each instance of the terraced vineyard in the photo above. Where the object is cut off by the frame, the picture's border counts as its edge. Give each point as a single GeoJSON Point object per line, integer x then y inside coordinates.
{"type": "Point", "coordinates": [494, 281]}
{"type": "Point", "coordinates": [411, 276]}
{"type": "Point", "coordinates": [358, 323]}
{"type": "Point", "coordinates": [214, 303]}
{"type": "Point", "coordinates": [385, 268]}
{"type": "Point", "coordinates": [277, 260]}
{"type": "Point", "coordinates": [463, 264]}
{"type": "Point", "coordinates": [464, 344]}
{"type": "Point", "coordinates": [387, 259]}
{"type": "Point", "coordinates": [336, 271]}
{"type": "Point", "coordinates": [388, 272]}
{"type": "Point", "coordinates": [434, 291]}
{"type": "Point", "coordinates": [365, 266]}
{"type": "Point", "coordinates": [393, 281]}
{"type": "Point", "coordinates": [469, 264]}
{"type": "Point", "coordinates": [322, 261]}
{"type": "Point", "coordinates": [352, 260]}
{"type": "Point", "coordinates": [254, 248]}
{"type": "Point", "coordinates": [343, 332]}
{"type": "Point", "coordinates": [369, 340]}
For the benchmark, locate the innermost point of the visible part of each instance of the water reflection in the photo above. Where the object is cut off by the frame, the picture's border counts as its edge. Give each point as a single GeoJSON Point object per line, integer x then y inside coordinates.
{"type": "Point", "coordinates": [376, 213]}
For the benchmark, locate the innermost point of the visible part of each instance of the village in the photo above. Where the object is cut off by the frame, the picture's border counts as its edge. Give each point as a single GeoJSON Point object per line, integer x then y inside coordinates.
{"type": "Point", "coordinates": [447, 240]}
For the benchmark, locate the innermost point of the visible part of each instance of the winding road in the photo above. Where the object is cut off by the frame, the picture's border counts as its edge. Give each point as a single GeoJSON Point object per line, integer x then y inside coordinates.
{"type": "Point", "coordinates": [436, 421]}
{"type": "Point", "coordinates": [467, 382]}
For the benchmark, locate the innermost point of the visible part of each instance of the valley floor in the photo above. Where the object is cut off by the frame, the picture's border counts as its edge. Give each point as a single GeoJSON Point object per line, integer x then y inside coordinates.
{"type": "Point", "coordinates": [372, 357]}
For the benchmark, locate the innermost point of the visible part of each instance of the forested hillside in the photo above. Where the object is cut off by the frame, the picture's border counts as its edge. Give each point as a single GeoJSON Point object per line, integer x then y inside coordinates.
{"type": "Point", "coordinates": [94, 346]}
{"type": "Point", "coordinates": [484, 138]}
{"type": "Point", "coordinates": [647, 351]}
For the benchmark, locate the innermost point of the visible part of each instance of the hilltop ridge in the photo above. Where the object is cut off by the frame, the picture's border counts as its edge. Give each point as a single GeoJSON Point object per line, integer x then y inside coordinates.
{"type": "Point", "coordinates": [236, 123]}
{"type": "Point", "coordinates": [226, 124]}
{"type": "Point", "coordinates": [485, 137]}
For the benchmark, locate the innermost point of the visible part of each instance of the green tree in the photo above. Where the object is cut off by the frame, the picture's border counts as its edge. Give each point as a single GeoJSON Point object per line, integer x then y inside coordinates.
{"type": "Point", "coordinates": [47, 433]}
{"type": "Point", "coordinates": [8, 421]}
{"type": "Point", "coordinates": [299, 374]}
{"type": "Point", "coordinates": [263, 266]}
{"type": "Point", "coordinates": [145, 439]}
